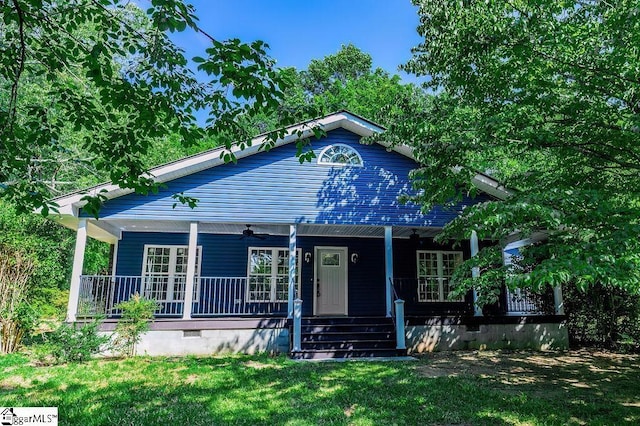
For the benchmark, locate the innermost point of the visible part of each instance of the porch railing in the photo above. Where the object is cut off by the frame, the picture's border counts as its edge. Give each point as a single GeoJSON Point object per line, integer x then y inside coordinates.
{"type": "Point", "coordinates": [521, 301]}
{"type": "Point", "coordinates": [513, 302]}
{"type": "Point", "coordinates": [220, 296]}
{"type": "Point", "coordinates": [212, 296]}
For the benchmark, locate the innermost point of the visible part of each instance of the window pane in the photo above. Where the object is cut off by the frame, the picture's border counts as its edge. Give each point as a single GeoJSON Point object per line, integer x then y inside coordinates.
{"type": "Point", "coordinates": [268, 279]}
{"type": "Point", "coordinates": [330, 259]}
{"type": "Point", "coordinates": [165, 272]}
{"type": "Point", "coordinates": [428, 289]}
{"type": "Point", "coordinates": [261, 261]}
{"type": "Point", "coordinates": [435, 269]}
{"type": "Point", "coordinates": [259, 288]}
{"type": "Point", "coordinates": [156, 287]}
{"type": "Point", "coordinates": [340, 154]}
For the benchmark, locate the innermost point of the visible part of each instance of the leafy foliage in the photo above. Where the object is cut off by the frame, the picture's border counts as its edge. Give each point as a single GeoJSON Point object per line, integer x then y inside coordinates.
{"type": "Point", "coordinates": [544, 97]}
{"type": "Point", "coordinates": [346, 80]}
{"type": "Point", "coordinates": [50, 248]}
{"type": "Point", "coordinates": [137, 313]}
{"type": "Point", "coordinates": [605, 317]}
{"type": "Point", "coordinates": [72, 343]}
{"type": "Point", "coordinates": [106, 74]}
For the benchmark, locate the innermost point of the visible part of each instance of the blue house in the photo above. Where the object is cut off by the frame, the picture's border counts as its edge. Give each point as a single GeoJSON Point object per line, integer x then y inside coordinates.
{"type": "Point", "coordinates": [316, 259]}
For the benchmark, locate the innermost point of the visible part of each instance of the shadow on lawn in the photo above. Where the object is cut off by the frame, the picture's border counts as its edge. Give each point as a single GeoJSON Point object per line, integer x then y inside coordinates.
{"type": "Point", "coordinates": [587, 384]}
{"type": "Point", "coordinates": [485, 388]}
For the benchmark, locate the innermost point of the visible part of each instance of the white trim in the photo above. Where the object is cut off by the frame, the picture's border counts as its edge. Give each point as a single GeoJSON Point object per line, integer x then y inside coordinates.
{"type": "Point", "coordinates": [191, 270]}
{"type": "Point", "coordinates": [558, 302]}
{"type": "Point", "coordinates": [317, 264]}
{"type": "Point", "coordinates": [475, 272]}
{"type": "Point", "coordinates": [327, 163]}
{"type": "Point", "coordinates": [212, 158]}
{"type": "Point", "coordinates": [293, 269]}
{"type": "Point", "coordinates": [388, 267]}
{"type": "Point", "coordinates": [172, 269]}
{"type": "Point", "coordinates": [114, 261]}
{"type": "Point", "coordinates": [442, 298]}
{"type": "Point", "coordinates": [76, 272]}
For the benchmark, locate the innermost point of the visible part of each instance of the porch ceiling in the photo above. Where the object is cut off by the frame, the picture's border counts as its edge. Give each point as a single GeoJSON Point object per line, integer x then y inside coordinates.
{"type": "Point", "coordinates": [304, 229]}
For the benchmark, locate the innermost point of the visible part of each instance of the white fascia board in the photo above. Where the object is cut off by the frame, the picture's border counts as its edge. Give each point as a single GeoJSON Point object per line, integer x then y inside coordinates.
{"type": "Point", "coordinates": [480, 181]}
{"type": "Point", "coordinates": [491, 186]}
{"type": "Point", "coordinates": [516, 240]}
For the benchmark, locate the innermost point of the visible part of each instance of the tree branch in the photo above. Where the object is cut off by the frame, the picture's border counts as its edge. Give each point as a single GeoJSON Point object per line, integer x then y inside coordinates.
{"type": "Point", "coordinates": [13, 100]}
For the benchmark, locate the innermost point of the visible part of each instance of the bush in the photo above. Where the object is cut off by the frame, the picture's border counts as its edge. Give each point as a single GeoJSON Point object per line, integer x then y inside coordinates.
{"type": "Point", "coordinates": [137, 313]}
{"type": "Point", "coordinates": [603, 317]}
{"type": "Point", "coordinates": [16, 316]}
{"type": "Point", "coordinates": [71, 343]}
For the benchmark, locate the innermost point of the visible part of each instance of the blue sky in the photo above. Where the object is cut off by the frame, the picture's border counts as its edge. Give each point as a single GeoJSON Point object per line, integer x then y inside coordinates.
{"type": "Point", "coordinates": [300, 30]}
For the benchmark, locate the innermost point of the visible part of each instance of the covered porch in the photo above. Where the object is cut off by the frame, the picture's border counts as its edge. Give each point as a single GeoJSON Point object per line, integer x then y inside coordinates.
{"type": "Point", "coordinates": [385, 282]}
{"type": "Point", "coordinates": [378, 267]}
{"type": "Point", "coordinates": [176, 267]}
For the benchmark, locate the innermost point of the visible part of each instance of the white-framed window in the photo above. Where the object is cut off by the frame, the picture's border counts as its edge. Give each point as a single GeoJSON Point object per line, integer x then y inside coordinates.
{"type": "Point", "coordinates": [435, 269]}
{"type": "Point", "coordinates": [340, 155]}
{"type": "Point", "coordinates": [268, 274]}
{"type": "Point", "coordinates": [164, 272]}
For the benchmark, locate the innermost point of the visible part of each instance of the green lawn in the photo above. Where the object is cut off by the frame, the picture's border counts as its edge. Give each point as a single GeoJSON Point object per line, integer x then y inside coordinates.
{"type": "Point", "coordinates": [464, 388]}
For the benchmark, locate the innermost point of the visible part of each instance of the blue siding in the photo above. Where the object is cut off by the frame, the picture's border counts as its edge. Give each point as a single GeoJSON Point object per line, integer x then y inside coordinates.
{"type": "Point", "coordinates": [273, 187]}
{"type": "Point", "coordinates": [226, 256]}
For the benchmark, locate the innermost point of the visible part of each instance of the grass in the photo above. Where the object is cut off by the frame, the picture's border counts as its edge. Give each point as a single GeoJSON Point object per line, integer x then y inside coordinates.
{"type": "Point", "coordinates": [465, 388]}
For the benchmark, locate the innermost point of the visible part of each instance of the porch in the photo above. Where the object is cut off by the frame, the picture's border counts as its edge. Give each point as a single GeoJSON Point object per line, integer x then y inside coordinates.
{"type": "Point", "coordinates": [215, 286]}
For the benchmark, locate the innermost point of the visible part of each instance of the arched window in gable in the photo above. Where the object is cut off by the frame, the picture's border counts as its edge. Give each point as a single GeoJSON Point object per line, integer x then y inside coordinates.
{"type": "Point", "coordinates": [340, 155]}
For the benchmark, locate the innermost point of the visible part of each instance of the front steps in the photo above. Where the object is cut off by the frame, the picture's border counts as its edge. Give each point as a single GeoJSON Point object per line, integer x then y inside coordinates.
{"type": "Point", "coordinates": [347, 337]}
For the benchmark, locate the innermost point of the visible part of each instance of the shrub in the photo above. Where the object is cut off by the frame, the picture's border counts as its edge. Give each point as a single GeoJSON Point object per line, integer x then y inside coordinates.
{"type": "Point", "coordinates": [137, 313]}
{"type": "Point", "coordinates": [71, 343]}
{"type": "Point", "coordinates": [603, 316]}
{"type": "Point", "coordinates": [16, 317]}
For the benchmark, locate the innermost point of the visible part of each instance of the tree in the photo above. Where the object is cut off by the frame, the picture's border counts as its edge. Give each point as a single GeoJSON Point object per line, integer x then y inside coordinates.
{"type": "Point", "coordinates": [346, 80]}
{"type": "Point", "coordinates": [50, 249]}
{"type": "Point", "coordinates": [323, 75]}
{"type": "Point", "coordinates": [106, 74]}
{"type": "Point", "coordinates": [544, 96]}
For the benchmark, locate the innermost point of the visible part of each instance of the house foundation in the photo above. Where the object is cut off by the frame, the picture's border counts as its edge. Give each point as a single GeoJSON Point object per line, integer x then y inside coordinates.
{"type": "Point", "coordinates": [209, 337]}
{"type": "Point", "coordinates": [450, 336]}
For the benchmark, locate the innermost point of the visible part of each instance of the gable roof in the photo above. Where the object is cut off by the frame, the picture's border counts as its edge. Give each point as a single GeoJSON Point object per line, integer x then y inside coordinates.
{"type": "Point", "coordinates": [70, 204]}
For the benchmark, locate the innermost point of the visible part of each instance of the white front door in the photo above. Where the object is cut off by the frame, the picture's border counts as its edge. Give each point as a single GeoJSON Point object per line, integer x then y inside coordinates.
{"type": "Point", "coordinates": [331, 281]}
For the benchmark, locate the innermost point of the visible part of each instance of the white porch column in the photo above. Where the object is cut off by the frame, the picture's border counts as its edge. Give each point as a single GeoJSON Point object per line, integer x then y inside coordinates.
{"type": "Point", "coordinates": [475, 273]}
{"type": "Point", "coordinates": [388, 266]}
{"type": "Point", "coordinates": [191, 271]}
{"type": "Point", "coordinates": [76, 272]}
{"type": "Point", "coordinates": [557, 299]}
{"type": "Point", "coordinates": [114, 261]}
{"type": "Point", "coordinates": [293, 264]}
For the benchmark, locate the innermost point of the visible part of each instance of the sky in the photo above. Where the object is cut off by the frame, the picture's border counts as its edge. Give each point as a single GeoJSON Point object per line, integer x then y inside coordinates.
{"type": "Point", "coordinates": [300, 30]}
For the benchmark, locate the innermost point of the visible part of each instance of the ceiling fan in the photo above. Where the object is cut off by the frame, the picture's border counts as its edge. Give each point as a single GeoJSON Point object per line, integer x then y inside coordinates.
{"type": "Point", "coordinates": [248, 233]}
{"type": "Point", "coordinates": [414, 237]}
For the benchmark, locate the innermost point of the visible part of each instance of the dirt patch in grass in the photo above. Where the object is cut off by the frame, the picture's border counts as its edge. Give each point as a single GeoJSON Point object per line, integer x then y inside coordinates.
{"type": "Point", "coordinates": [545, 374]}
{"type": "Point", "coordinates": [537, 365]}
